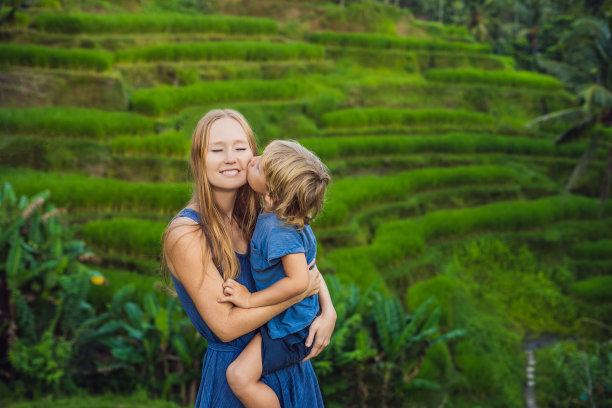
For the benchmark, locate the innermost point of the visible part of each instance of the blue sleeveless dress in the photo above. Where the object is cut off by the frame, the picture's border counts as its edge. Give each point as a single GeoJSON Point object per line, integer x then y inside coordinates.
{"type": "Point", "coordinates": [296, 386]}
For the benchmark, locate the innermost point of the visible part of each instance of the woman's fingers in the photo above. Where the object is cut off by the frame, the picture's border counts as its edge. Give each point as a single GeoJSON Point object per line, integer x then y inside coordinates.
{"type": "Point", "coordinates": [317, 342]}
{"type": "Point", "coordinates": [319, 334]}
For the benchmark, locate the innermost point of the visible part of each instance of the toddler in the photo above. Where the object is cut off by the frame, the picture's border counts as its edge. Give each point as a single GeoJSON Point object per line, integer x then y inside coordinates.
{"type": "Point", "coordinates": [292, 181]}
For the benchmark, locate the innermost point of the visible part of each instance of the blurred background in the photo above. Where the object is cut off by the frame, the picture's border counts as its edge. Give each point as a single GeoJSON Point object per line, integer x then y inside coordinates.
{"type": "Point", "coordinates": [466, 239]}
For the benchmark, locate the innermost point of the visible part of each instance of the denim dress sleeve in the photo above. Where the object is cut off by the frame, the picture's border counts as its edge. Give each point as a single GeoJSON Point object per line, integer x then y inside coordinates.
{"type": "Point", "coordinates": [296, 386]}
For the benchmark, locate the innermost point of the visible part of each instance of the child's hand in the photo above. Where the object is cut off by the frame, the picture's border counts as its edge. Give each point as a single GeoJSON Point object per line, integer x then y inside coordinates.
{"type": "Point", "coordinates": [236, 293]}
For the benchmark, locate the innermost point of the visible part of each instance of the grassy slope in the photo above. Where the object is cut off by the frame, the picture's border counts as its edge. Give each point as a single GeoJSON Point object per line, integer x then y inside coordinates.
{"type": "Point", "coordinates": [425, 87]}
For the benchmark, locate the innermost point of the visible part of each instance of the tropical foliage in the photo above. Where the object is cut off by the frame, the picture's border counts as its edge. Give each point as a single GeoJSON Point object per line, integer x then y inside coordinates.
{"type": "Point", "coordinates": [446, 241]}
{"type": "Point", "coordinates": [587, 69]}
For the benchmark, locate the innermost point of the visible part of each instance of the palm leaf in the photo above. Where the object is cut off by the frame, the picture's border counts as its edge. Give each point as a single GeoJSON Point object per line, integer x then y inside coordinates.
{"type": "Point", "coordinates": [564, 115]}
{"type": "Point", "coordinates": [588, 155]}
{"type": "Point", "coordinates": [596, 97]}
{"type": "Point", "coordinates": [566, 73]}
{"type": "Point", "coordinates": [576, 130]}
{"type": "Point", "coordinates": [605, 185]}
{"type": "Point", "coordinates": [601, 33]}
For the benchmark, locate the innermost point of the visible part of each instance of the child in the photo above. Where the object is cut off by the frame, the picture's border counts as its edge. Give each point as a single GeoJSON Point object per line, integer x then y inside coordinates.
{"type": "Point", "coordinates": [293, 182]}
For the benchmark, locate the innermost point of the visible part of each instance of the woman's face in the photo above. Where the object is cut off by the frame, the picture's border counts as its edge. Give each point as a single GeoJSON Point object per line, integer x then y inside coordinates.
{"type": "Point", "coordinates": [228, 155]}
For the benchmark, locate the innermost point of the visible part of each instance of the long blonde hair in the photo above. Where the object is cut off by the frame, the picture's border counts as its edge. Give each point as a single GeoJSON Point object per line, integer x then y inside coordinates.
{"type": "Point", "coordinates": [296, 180]}
{"type": "Point", "coordinates": [211, 221]}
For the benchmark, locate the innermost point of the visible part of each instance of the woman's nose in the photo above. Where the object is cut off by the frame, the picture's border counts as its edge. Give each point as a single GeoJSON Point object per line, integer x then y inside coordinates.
{"type": "Point", "coordinates": [230, 156]}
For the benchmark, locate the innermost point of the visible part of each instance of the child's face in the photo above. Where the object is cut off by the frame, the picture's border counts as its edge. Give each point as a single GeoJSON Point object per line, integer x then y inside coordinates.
{"type": "Point", "coordinates": [256, 177]}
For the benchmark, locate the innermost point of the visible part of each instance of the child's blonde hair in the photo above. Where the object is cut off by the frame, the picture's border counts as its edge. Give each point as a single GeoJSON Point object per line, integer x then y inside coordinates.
{"type": "Point", "coordinates": [296, 180]}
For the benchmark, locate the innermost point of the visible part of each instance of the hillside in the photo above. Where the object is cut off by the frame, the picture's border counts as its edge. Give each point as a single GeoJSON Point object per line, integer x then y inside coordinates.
{"type": "Point", "coordinates": [438, 189]}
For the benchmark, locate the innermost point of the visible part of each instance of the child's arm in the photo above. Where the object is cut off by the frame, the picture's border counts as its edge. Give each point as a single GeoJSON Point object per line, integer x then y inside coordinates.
{"type": "Point", "coordinates": [295, 282]}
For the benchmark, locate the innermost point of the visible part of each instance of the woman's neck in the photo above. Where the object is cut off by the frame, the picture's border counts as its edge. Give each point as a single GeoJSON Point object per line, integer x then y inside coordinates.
{"type": "Point", "coordinates": [225, 200]}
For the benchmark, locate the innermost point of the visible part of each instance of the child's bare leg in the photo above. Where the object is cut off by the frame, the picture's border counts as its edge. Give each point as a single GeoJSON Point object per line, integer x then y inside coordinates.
{"type": "Point", "coordinates": [243, 378]}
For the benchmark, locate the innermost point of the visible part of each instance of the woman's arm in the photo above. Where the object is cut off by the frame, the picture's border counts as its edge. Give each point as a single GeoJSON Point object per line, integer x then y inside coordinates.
{"type": "Point", "coordinates": [293, 284]}
{"type": "Point", "coordinates": [322, 326]}
{"type": "Point", "coordinates": [190, 261]}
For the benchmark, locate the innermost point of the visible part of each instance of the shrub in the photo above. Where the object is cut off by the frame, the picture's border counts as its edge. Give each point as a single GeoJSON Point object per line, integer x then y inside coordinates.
{"type": "Point", "coordinates": [536, 301]}
{"type": "Point", "coordinates": [101, 295]}
{"type": "Point", "coordinates": [46, 57]}
{"type": "Point", "coordinates": [223, 50]}
{"type": "Point", "coordinates": [72, 122]}
{"type": "Point", "coordinates": [361, 117]}
{"type": "Point", "coordinates": [158, 101]}
{"type": "Point", "coordinates": [574, 373]}
{"type": "Point", "coordinates": [489, 358]}
{"type": "Point", "coordinates": [152, 23]}
{"type": "Point", "coordinates": [44, 295]}
{"type": "Point", "coordinates": [499, 78]}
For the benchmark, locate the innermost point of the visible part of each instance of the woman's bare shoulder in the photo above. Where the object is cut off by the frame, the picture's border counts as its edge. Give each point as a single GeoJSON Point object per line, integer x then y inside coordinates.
{"type": "Point", "coordinates": [184, 240]}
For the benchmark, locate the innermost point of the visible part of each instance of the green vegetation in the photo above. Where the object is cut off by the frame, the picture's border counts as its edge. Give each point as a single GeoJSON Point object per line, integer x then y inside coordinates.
{"type": "Point", "coordinates": [330, 148]}
{"type": "Point", "coordinates": [498, 78]}
{"type": "Point", "coordinates": [45, 57]}
{"type": "Point", "coordinates": [397, 240]}
{"type": "Point", "coordinates": [72, 122]}
{"type": "Point", "coordinates": [152, 23]}
{"type": "Point", "coordinates": [78, 193]}
{"type": "Point", "coordinates": [165, 99]}
{"type": "Point", "coordinates": [595, 289]}
{"type": "Point", "coordinates": [386, 41]}
{"type": "Point", "coordinates": [572, 371]}
{"type": "Point", "coordinates": [170, 143]}
{"type": "Point", "coordinates": [105, 401]}
{"type": "Point", "coordinates": [352, 193]}
{"type": "Point", "coordinates": [130, 236]}
{"type": "Point", "coordinates": [593, 250]}
{"type": "Point", "coordinates": [441, 196]}
{"type": "Point", "coordinates": [222, 50]}
{"type": "Point", "coordinates": [358, 117]}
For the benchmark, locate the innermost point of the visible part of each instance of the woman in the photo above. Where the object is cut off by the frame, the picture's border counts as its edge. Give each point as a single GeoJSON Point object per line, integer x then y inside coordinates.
{"type": "Point", "coordinates": [207, 243]}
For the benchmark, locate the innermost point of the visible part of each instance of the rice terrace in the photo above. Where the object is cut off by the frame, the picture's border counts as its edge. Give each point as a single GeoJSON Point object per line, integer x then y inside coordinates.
{"type": "Point", "coordinates": [466, 237]}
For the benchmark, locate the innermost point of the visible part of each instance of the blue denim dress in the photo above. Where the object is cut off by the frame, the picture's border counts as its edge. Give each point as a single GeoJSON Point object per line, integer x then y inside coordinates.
{"type": "Point", "coordinates": [296, 386]}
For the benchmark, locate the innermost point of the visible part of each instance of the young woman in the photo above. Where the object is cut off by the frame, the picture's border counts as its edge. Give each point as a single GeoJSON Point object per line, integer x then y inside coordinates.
{"type": "Point", "coordinates": [207, 244]}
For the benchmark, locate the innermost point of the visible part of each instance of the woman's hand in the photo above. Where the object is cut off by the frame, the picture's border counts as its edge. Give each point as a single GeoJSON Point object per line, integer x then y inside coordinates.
{"type": "Point", "coordinates": [320, 333]}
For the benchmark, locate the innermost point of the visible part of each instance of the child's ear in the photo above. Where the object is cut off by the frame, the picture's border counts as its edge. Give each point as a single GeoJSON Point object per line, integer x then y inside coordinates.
{"type": "Point", "coordinates": [268, 198]}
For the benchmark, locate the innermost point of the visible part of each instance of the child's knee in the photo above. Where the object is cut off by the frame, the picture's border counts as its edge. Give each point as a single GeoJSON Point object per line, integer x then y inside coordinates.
{"type": "Point", "coordinates": [237, 378]}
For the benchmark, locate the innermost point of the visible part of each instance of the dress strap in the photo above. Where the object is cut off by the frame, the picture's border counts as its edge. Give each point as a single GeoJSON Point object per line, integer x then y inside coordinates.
{"type": "Point", "coordinates": [189, 213]}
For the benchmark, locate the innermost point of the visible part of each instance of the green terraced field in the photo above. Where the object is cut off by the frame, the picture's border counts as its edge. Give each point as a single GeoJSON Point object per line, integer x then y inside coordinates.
{"type": "Point", "coordinates": [424, 136]}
